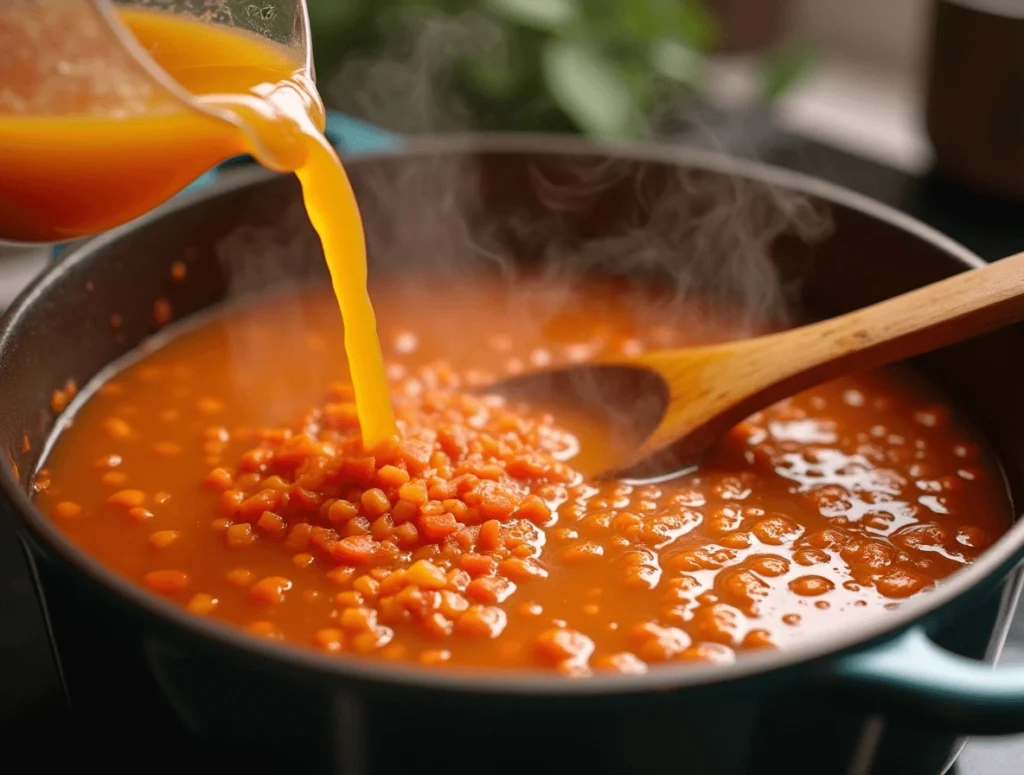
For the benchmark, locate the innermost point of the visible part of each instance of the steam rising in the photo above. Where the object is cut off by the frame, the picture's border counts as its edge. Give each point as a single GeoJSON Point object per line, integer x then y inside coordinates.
{"type": "Point", "coordinates": [703, 235]}
{"type": "Point", "coordinates": [406, 88]}
{"type": "Point", "coordinates": [544, 220]}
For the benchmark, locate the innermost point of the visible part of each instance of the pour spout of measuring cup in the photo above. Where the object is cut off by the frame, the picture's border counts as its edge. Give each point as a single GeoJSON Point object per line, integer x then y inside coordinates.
{"type": "Point", "coordinates": [110, 107]}
{"type": "Point", "coordinates": [276, 119]}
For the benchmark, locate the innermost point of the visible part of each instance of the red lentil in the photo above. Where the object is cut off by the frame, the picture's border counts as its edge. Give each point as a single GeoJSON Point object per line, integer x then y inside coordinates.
{"type": "Point", "coordinates": [475, 540]}
{"type": "Point", "coordinates": [329, 639]}
{"type": "Point", "coordinates": [265, 629]}
{"type": "Point", "coordinates": [67, 510]}
{"type": "Point", "coordinates": [162, 312]}
{"type": "Point", "coordinates": [270, 590]}
{"type": "Point", "coordinates": [127, 498]}
{"type": "Point", "coordinates": [209, 405]}
{"type": "Point", "coordinates": [167, 582]}
{"type": "Point", "coordinates": [161, 539]}
{"type": "Point", "coordinates": [60, 398]}
{"type": "Point", "coordinates": [115, 478]}
{"type": "Point", "coordinates": [202, 604]}
{"type": "Point", "coordinates": [239, 577]}
{"type": "Point", "coordinates": [117, 428]}
{"type": "Point", "coordinates": [140, 514]}
{"type": "Point", "coordinates": [239, 535]}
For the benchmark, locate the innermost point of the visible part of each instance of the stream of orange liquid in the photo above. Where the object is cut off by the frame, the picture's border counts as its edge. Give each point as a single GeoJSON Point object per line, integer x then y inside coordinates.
{"type": "Point", "coordinates": [280, 122]}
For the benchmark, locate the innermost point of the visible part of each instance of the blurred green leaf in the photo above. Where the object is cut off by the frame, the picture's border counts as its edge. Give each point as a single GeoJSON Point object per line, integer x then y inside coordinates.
{"type": "Point", "coordinates": [601, 67]}
{"type": "Point", "coordinates": [326, 14]}
{"type": "Point", "coordinates": [693, 23]}
{"type": "Point", "coordinates": [603, 31]}
{"type": "Point", "coordinates": [641, 19]}
{"type": "Point", "coordinates": [783, 67]}
{"type": "Point", "coordinates": [547, 15]}
{"type": "Point", "coordinates": [686, 20]}
{"type": "Point", "coordinates": [489, 79]}
{"type": "Point", "coordinates": [678, 62]}
{"type": "Point", "coordinates": [590, 89]}
{"type": "Point", "coordinates": [637, 75]}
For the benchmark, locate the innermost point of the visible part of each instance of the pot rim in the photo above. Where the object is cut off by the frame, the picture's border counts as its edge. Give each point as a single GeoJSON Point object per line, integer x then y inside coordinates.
{"type": "Point", "coordinates": [996, 559]}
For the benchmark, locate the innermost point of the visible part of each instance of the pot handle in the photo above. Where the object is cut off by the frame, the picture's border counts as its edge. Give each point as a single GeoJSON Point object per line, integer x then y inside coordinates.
{"type": "Point", "coordinates": [912, 673]}
{"type": "Point", "coordinates": [348, 135]}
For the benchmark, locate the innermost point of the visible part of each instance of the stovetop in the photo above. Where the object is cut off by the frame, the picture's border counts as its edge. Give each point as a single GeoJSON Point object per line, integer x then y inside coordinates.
{"type": "Point", "coordinates": [31, 698]}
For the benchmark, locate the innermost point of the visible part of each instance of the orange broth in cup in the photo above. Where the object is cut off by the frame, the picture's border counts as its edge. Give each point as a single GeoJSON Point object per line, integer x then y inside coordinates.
{"type": "Point", "coordinates": [224, 470]}
{"type": "Point", "coordinates": [55, 173]}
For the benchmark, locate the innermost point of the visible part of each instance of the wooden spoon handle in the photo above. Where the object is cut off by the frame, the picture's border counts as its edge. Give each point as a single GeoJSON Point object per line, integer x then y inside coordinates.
{"type": "Point", "coordinates": [943, 313]}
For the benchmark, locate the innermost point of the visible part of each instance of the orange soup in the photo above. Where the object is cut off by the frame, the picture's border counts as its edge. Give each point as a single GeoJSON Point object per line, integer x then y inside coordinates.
{"type": "Point", "coordinates": [223, 470]}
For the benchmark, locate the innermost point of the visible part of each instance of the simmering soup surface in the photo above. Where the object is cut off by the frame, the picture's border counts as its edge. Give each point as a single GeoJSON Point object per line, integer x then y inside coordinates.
{"type": "Point", "coordinates": [224, 471]}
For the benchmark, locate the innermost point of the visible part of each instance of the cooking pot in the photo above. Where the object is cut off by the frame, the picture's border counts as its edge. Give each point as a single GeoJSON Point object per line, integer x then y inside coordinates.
{"type": "Point", "coordinates": [145, 678]}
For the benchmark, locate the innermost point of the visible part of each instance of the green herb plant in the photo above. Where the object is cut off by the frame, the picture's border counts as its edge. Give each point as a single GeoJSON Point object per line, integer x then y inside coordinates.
{"type": "Point", "coordinates": [604, 68]}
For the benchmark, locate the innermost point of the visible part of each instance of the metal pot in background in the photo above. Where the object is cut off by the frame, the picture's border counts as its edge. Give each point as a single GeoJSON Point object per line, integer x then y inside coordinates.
{"type": "Point", "coordinates": [975, 94]}
{"type": "Point", "coordinates": [747, 26]}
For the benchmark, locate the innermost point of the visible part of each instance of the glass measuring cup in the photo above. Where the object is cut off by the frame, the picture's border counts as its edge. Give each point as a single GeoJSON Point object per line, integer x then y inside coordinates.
{"type": "Point", "coordinates": [109, 107]}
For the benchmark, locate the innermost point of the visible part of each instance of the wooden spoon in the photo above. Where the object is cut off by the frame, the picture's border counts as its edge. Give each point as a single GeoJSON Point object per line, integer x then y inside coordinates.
{"type": "Point", "coordinates": [679, 402]}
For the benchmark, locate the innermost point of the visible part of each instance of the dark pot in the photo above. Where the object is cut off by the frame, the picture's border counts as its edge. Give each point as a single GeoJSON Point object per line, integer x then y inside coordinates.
{"type": "Point", "coordinates": [747, 26]}
{"type": "Point", "coordinates": [144, 676]}
{"type": "Point", "coordinates": [975, 95]}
